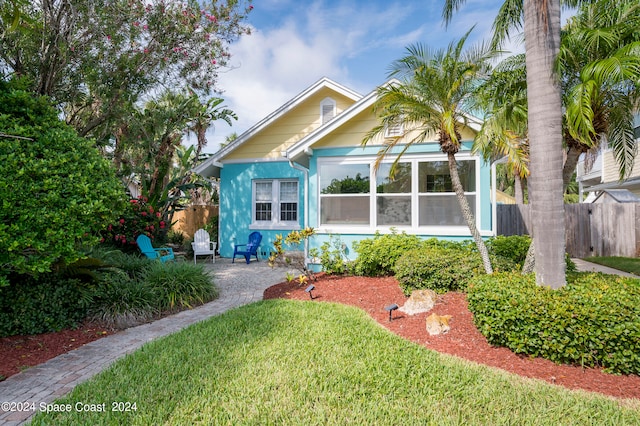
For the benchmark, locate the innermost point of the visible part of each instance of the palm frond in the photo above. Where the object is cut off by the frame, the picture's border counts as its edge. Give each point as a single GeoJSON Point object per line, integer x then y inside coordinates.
{"type": "Point", "coordinates": [621, 140]}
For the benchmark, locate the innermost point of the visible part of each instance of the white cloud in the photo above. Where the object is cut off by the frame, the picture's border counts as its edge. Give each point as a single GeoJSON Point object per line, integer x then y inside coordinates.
{"type": "Point", "coordinates": [353, 42]}
{"type": "Point", "coordinates": [270, 67]}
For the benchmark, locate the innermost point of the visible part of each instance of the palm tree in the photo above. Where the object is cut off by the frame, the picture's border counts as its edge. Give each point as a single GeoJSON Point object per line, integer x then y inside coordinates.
{"type": "Point", "coordinates": [542, 43]}
{"type": "Point", "coordinates": [202, 117]}
{"type": "Point", "coordinates": [504, 131]}
{"type": "Point", "coordinates": [600, 64]}
{"type": "Point", "coordinates": [432, 96]}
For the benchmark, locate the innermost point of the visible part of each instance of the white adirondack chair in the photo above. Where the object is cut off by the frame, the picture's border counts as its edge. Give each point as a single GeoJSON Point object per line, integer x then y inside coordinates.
{"type": "Point", "coordinates": [203, 246]}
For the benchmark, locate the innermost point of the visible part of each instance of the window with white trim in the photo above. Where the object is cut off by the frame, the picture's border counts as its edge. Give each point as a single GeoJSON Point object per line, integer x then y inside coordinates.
{"type": "Point", "coordinates": [437, 202]}
{"type": "Point", "coordinates": [417, 194]}
{"type": "Point", "coordinates": [327, 110]}
{"type": "Point", "coordinates": [344, 193]}
{"type": "Point", "coordinates": [275, 202]}
{"type": "Point", "coordinates": [393, 195]}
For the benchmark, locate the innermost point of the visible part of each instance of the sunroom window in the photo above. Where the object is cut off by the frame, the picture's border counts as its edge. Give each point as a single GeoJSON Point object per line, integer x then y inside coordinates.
{"type": "Point", "coordinates": [393, 195]}
{"type": "Point", "coordinates": [418, 194]}
{"type": "Point", "coordinates": [438, 205]}
{"type": "Point", "coordinates": [344, 194]}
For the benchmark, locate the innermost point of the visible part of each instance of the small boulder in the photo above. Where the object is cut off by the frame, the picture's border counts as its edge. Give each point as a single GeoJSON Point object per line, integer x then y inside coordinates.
{"type": "Point", "coordinates": [419, 301]}
{"type": "Point", "coordinates": [438, 324]}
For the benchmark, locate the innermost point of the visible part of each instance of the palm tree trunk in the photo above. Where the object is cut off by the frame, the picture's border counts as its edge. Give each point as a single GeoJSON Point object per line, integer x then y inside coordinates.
{"type": "Point", "coordinates": [570, 164]}
{"type": "Point", "coordinates": [542, 41]}
{"type": "Point", "coordinates": [467, 214]}
{"type": "Point", "coordinates": [518, 194]}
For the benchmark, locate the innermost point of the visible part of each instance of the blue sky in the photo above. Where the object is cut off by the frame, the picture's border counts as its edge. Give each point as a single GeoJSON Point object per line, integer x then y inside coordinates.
{"type": "Point", "coordinates": [295, 43]}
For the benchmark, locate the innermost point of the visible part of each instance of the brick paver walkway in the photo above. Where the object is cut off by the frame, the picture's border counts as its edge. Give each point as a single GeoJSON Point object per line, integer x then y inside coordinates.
{"type": "Point", "coordinates": [239, 284]}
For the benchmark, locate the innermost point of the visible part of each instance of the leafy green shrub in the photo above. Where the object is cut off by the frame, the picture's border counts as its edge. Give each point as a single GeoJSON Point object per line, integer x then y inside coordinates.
{"type": "Point", "coordinates": [47, 303]}
{"type": "Point", "coordinates": [333, 256]}
{"type": "Point", "coordinates": [515, 248]}
{"type": "Point", "coordinates": [176, 237]}
{"type": "Point", "coordinates": [139, 217]}
{"type": "Point", "coordinates": [122, 302]}
{"type": "Point", "coordinates": [593, 321]}
{"type": "Point", "coordinates": [377, 256]}
{"type": "Point", "coordinates": [512, 247]}
{"type": "Point", "coordinates": [442, 268]}
{"type": "Point", "coordinates": [178, 285]}
{"type": "Point", "coordinates": [57, 189]}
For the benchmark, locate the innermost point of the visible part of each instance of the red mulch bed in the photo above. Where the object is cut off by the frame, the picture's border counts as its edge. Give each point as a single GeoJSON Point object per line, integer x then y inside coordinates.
{"type": "Point", "coordinates": [371, 295]}
{"type": "Point", "coordinates": [20, 352]}
{"type": "Point", "coordinates": [463, 340]}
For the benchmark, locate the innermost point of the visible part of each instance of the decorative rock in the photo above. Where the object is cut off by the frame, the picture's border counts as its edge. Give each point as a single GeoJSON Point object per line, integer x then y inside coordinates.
{"type": "Point", "coordinates": [420, 301]}
{"type": "Point", "coordinates": [438, 324]}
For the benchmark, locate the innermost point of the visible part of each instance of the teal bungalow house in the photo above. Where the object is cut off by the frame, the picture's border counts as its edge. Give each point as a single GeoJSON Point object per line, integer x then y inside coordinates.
{"type": "Point", "coordinates": [304, 165]}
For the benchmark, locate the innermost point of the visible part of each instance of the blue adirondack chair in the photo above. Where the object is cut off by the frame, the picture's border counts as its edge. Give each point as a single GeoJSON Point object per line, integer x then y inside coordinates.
{"type": "Point", "coordinates": [144, 244]}
{"type": "Point", "coordinates": [250, 249]}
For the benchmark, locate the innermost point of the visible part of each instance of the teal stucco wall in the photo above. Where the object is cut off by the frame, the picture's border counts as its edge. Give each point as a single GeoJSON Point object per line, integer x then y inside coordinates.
{"type": "Point", "coordinates": [236, 188]}
{"type": "Point", "coordinates": [235, 202]}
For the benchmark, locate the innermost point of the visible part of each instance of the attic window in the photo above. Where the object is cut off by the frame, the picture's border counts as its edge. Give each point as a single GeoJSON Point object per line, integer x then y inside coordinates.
{"type": "Point", "coordinates": [327, 109]}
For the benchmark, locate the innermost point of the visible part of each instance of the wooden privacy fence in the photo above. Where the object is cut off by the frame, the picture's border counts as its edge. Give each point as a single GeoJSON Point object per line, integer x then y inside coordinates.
{"type": "Point", "coordinates": [191, 219]}
{"type": "Point", "coordinates": [591, 229]}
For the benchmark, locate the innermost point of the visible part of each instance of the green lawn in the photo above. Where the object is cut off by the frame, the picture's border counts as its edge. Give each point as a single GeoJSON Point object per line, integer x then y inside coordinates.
{"type": "Point", "coordinates": [308, 363]}
{"type": "Point", "coordinates": [627, 264]}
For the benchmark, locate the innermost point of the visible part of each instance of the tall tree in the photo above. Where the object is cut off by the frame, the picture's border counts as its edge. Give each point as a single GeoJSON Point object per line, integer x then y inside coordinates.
{"type": "Point", "coordinates": [432, 97]}
{"type": "Point", "coordinates": [504, 131]}
{"type": "Point", "coordinates": [97, 58]}
{"type": "Point", "coordinates": [600, 67]}
{"type": "Point", "coordinates": [204, 115]}
{"type": "Point", "coordinates": [541, 20]}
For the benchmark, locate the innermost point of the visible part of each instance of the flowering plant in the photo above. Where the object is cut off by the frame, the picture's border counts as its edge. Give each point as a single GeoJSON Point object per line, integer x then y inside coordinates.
{"type": "Point", "coordinates": [140, 217]}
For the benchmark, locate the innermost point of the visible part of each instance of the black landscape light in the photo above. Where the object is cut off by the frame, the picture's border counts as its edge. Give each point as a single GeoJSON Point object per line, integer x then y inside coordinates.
{"type": "Point", "coordinates": [308, 290]}
{"type": "Point", "coordinates": [391, 308]}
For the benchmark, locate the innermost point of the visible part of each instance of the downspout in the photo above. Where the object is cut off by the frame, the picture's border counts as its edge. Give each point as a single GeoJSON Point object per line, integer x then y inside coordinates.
{"type": "Point", "coordinates": [494, 194]}
{"type": "Point", "coordinates": [494, 204]}
{"type": "Point", "coordinates": [305, 197]}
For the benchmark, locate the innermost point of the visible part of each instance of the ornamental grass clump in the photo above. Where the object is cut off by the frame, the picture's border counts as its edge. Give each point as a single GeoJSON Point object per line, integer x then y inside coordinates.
{"type": "Point", "coordinates": [179, 285]}
{"type": "Point", "coordinates": [593, 321]}
{"type": "Point", "coordinates": [123, 302]}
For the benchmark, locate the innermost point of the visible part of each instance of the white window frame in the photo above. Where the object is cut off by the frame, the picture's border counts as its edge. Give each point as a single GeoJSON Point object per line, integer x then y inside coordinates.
{"type": "Point", "coordinates": [448, 230]}
{"type": "Point", "coordinates": [331, 103]}
{"type": "Point", "coordinates": [275, 222]}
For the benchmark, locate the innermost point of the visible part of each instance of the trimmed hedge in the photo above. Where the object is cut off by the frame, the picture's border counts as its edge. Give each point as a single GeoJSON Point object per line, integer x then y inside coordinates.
{"type": "Point", "coordinates": [48, 303]}
{"type": "Point", "coordinates": [593, 321]}
{"type": "Point", "coordinates": [514, 247]}
{"type": "Point", "coordinates": [443, 268]}
{"type": "Point", "coordinates": [131, 291]}
{"type": "Point", "coordinates": [377, 256]}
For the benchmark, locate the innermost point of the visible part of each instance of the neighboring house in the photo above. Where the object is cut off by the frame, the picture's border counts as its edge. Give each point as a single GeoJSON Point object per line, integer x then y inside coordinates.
{"type": "Point", "coordinates": [504, 198]}
{"type": "Point", "coordinates": [304, 165]}
{"type": "Point", "coordinates": [604, 174]}
{"type": "Point", "coordinates": [616, 196]}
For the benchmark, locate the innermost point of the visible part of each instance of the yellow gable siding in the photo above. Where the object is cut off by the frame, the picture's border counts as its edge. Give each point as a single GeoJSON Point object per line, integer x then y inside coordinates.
{"type": "Point", "coordinates": [610, 168]}
{"type": "Point", "coordinates": [352, 133]}
{"type": "Point", "coordinates": [288, 129]}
